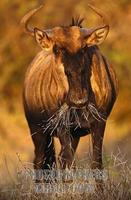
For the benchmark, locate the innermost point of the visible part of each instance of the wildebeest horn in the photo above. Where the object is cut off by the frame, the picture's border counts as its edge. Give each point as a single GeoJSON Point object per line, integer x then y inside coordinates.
{"type": "Point", "coordinates": [98, 12]}
{"type": "Point", "coordinates": [27, 17]}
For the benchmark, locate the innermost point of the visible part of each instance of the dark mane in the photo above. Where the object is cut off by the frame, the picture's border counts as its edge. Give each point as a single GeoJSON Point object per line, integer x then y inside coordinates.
{"type": "Point", "coordinates": [77, 21]}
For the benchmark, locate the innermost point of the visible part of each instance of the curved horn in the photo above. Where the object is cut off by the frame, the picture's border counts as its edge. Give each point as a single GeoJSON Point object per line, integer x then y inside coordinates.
{"type": "Point", "coordinates": [97, 11]}
{"type": "Point", "coordinates": [27, 17]}
{"type": "Point", "coordinates": [86, 31]}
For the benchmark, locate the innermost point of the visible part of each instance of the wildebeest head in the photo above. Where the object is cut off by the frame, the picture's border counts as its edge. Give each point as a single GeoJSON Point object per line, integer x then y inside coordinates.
{"type": "Point", "coordinates": [70, 46]}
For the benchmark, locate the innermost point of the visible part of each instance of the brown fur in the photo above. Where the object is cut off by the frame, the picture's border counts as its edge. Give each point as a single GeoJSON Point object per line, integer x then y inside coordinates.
{"type": "Point", "coordinates": [46, 83]}
{"type": "Point", "coordinates": [69, 91]}
{"type": "Point", "coordinates": [48, 86]}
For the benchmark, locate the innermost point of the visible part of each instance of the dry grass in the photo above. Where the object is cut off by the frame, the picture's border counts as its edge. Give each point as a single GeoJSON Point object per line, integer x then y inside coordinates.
{"type": "Point", "coordinates": [116, 186]}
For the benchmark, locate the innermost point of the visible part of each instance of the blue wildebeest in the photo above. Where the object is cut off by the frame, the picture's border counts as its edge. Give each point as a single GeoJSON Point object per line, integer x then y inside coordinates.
{"type": "Point", "coordinates": [69, 90]}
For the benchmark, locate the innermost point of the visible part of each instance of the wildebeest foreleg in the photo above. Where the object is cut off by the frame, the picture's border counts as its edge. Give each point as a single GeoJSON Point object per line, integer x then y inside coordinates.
{"type": "Point", "coordinates": [97, 142]}
{"type": "Point", "coordinates": [68, 148]}
{"type": "Point", "coordinates": [44, 149]}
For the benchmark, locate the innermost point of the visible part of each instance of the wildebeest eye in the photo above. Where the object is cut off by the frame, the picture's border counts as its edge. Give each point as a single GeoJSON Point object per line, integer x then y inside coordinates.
{"type": "Point", "coordinates": [68, 74]}
{"type": "Point", "coordinates": [83, 49]}
{"type": "Point", "coordinates": [56, 49]}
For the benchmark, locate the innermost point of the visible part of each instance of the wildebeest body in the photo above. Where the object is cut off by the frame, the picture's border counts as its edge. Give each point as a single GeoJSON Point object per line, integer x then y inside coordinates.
{"type": "Point", "coordinates": [69, 91]}
{"type": "Point", "coordinates": [46, 85]}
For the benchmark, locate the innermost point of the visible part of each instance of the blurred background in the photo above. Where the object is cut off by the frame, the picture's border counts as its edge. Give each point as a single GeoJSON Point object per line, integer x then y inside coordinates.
{"type": "Point", "coordinates": [18, 49]}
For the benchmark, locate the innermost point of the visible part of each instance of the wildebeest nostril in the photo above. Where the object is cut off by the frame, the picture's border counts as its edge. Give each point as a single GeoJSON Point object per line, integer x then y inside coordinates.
{"type": "Point", "coordinates": [80, 102]}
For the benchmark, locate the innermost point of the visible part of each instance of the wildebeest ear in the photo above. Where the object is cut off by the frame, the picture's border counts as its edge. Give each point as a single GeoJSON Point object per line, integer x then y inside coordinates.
{"type": "Point", "coordinates": [42, 39]}
{"type": "Point", "coordinates": [97, 36]}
